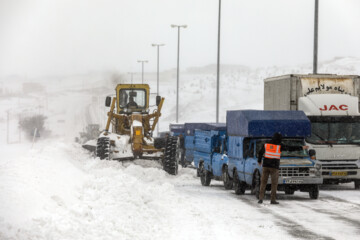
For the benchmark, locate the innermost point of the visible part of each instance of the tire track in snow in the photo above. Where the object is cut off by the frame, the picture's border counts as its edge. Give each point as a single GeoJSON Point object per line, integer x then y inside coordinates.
{"type": "Point", "coordinates": [335, 216]}
{"type": "Point", "coordinates": [293, 228]}
{"type": "Point", "coordinates": [340, 200]}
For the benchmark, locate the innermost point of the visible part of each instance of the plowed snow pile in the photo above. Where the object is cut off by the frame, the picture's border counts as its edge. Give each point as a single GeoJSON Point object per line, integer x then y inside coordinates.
{"type": "Point", "coordinates": [58, 191]}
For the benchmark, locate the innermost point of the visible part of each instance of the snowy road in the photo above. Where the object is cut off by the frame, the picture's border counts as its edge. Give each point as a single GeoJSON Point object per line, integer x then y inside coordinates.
{"type": "Point", "coordinates": [57, 191]}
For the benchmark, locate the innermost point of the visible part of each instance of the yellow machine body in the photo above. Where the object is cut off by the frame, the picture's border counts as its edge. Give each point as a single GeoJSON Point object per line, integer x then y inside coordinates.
{"type": "Point", "coordinates": [130, 115]}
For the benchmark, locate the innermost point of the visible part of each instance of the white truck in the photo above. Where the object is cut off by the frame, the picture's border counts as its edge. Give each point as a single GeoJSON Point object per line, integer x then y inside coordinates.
{"type": "Point", "coordinates": [331, 102]}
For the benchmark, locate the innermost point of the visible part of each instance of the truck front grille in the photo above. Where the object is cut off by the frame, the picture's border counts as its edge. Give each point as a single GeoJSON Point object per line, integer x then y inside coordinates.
{"type": "Point", "coordinates": [339, 166]}
{"type": "Point", "coordinates": [294, 172]}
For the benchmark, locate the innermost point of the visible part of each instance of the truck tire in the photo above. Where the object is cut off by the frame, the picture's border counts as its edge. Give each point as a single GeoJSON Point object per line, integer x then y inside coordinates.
{"type": "Point", "coordinates": [357, 184]}
{"type": "Point", "coordinates": [103, 148]}
{"type": "Point", "coordinates": [205, 176]}
{"type": "Point", "coordinates": [314, 192]}
{"type": "Point", "coordinates": [228, 182]}
{"type": "Point", "coordinates": [239, 186]}
{"type": "Point", "coordinates": [255, 187]}
{"type": "Point", "coordinates": [197, 172]}
{"type": "Point", "coordinates": [170, 161]}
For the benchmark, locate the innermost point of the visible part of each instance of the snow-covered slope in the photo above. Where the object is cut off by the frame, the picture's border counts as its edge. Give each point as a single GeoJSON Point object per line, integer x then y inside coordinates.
{"type": "Point", "coordinates": [54, 189]}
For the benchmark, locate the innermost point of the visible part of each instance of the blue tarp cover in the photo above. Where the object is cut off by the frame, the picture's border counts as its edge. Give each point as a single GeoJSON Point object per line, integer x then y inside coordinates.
{"type": "Point", "coordinates": [190, 127]}
{"type": "Point", "coordinates": [258, 123]}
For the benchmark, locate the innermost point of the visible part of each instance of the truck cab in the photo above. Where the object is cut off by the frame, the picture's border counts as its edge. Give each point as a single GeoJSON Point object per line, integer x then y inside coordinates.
{"type": "Point", "coordinates": [331, 103]}
{"type": "Point", "coordinates": [335, 127]}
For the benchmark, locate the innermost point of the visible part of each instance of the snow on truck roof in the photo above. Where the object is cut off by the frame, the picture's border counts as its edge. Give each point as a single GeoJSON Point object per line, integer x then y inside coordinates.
{"type": "Point", "coordinates": [258, 123]}
{"type": "Point", "coordinates": [190, 127]}
{"type": "Point", "coordinates": [177, 128]}
{"type": "Point", "coordinates": [310, 75]}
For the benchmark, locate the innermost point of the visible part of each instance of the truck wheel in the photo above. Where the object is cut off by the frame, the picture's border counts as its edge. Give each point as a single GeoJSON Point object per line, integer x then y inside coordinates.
{"type": "Point", "coordinates": [228, 183]}
{"type": "Point", "coordinates": [357, 184]}
{"type": "Point", "coordinates": [239, 186]}
{"type": "Point", "coordinates": [314, 192]}
{"type": "Point", "coordinates": [170, 162]}
{"type": "Point", "coordinates": [103, 148]}
{"type": "Point", "coordinates": [255, 187]}
{"type": "Point", "coordinates": [205, 176]}
{"type": "Point", "coordinates": [289, 191]}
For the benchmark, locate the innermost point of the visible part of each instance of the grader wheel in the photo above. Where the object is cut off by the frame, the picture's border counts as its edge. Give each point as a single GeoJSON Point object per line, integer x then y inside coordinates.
{"type": "Point", "coordinates": [103, 148]}
{"type": "Point", "coordinates": [171, 161]}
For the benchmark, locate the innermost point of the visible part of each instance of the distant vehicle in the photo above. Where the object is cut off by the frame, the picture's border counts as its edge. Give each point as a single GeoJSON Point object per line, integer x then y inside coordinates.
{"type": "Point", "coordinates": [331, 102]}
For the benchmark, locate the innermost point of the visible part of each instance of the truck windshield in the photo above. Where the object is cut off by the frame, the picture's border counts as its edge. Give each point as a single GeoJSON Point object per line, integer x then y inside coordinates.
{"type": "Point", "coordinates": [132, 98]}
{"type": "Point", "coordinates": [287, 142]}
{"type": "Point", "coordinates": [336, 130]}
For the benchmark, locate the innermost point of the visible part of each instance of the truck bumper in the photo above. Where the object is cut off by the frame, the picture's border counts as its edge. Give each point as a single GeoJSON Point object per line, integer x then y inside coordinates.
{"type": "Point", "coordinates": [298, 180]}
{"type": "Point", "coordinates": [340, 170]}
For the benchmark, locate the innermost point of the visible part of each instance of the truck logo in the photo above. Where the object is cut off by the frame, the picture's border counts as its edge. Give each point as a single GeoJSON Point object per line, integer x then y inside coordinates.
{"type": "Point", "coordinates": [342, 107]}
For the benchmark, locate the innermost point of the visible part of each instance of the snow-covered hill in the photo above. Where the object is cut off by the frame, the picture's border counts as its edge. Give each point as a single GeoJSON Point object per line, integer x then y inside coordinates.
{"type": "Point", "coordinates": [54, 189]}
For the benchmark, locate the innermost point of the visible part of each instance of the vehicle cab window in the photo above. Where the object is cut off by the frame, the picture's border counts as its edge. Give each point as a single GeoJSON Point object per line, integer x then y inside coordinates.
{"type": "Point", "coordinates": [132, 98]}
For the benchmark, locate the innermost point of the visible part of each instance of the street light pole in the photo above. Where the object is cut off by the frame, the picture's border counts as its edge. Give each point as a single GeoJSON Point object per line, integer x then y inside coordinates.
{"type": "Point", "coordinates": [158, 56]}
{"type": "Point", "coordinates": [178, 60]}
{"type": "Point", "coordinates": [157, 90]}
{"type": "Point", "coordinates": [142, 69]}
{"type": "Point", "coordinates": [131, 73]}
{"type": "Point", "coordinates": [316, 23]}
{"type": "Point", "coordinates": [218, 67]}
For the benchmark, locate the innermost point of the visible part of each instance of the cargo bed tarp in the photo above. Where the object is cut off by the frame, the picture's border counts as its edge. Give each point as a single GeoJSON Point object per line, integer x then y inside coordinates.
{"type": "Point", "coordinates": [177, 128]}
{"type": "Point", "coordinates": [190, 127]}
{"type": "Point", "coordinates": [257, 123]}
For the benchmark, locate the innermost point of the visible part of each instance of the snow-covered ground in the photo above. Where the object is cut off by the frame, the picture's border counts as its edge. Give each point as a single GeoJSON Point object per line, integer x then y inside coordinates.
{"type": "Point", "coordinates": [54, 189]}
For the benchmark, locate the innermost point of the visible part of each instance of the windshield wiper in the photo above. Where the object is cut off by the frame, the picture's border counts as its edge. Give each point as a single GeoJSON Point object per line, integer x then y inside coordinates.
{"type": "Point", "coordinates": [319, 136]}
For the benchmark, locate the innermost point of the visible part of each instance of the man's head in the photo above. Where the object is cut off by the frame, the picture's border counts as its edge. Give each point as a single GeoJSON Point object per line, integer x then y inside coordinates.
{"type": "Point", "coordinates": [276, 139]}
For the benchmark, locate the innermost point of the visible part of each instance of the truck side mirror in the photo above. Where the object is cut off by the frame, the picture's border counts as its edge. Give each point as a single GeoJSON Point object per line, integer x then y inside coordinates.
{"type": "Point", "coordinates": [158, 100]}
{"type": "Point", "coordinates": [312, 153]}
{"type": "Point", "coordinates": [107, 101]}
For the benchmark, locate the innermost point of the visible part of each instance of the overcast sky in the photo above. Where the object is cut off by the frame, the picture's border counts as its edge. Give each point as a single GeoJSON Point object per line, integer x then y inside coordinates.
{"type": "Point", "coordinates": [41, 37]}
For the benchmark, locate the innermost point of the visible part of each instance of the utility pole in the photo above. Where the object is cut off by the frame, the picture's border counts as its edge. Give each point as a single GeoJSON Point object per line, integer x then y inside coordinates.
{"type": "Point", "coordinates": [158, 57]}
{"type": "Point", "coordinates": [8, 126]}
{"type": "Point", "coordinates": [142, 69]}
{"type": "Point", "coordinates": [177, 78]}
{"type": "Point", "coordinates": [218, 67]}
{"type": "Point", "coordinates": [131, 73]}
{"type": "Point", "coordinates": [316, 23]}
{"type": "Point", "coordinates": [19, 127]}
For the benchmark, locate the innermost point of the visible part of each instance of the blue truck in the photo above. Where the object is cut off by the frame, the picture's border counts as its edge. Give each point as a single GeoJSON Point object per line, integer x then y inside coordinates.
{"type": "Point", "coordinates": [234, 153]}
{"type": "Point", "coordinates": [208, 144]}
{"type": "Point", "coordinates": [189, 139]}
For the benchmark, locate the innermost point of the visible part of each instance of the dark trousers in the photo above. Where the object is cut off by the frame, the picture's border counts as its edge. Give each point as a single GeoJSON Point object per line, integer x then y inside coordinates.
{"type": "Point", "coordinates": [274, 173]}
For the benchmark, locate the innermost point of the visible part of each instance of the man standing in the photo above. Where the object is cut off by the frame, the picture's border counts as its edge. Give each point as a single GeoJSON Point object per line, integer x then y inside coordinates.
{"type": "Point", "coordinates": [272, 152]}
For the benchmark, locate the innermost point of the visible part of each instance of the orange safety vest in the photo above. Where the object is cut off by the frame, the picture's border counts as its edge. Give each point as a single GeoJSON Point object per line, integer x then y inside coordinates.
{"type": "Point", "coordinates": [272, 151]}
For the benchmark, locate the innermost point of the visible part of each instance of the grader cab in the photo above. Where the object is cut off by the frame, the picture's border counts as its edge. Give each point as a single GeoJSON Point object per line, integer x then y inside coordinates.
{"type": "Point", "coordinates": [132, 126]}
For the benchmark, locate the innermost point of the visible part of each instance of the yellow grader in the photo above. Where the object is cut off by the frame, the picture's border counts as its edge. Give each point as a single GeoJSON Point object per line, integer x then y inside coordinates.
{"type": "Point", "coordinates": [132, 127]}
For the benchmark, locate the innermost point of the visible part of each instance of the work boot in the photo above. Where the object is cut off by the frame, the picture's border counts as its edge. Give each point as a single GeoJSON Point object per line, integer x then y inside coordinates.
{"type": "Point", "coordinates": [274, 202]}
{"type": "Point", "coordinates": [260, 201]}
